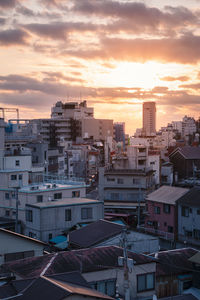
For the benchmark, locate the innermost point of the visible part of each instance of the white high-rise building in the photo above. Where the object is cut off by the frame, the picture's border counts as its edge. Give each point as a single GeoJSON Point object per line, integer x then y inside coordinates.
{"type": "Point", "coordinates": [149, 118]}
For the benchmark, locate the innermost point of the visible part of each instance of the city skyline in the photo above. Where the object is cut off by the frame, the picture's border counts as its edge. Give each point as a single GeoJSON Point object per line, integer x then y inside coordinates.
{"type": "Point", "coordinates": [114, 54]}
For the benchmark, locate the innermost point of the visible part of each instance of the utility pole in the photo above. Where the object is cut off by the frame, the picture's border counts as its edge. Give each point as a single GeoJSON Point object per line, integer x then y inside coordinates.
{"type": "Point", "coordinates": [138, 211]}
{"type": "Point", "coordinates": [126, 270]}
{"type": "Point", "coordinates": [17, 209]}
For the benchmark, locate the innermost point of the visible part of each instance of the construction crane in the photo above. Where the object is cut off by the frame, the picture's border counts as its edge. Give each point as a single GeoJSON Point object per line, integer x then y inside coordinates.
{"type": "Point", "coordinates": [6, 109]}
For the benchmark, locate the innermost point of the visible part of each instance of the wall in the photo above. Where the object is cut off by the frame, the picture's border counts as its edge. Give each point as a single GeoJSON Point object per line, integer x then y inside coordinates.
{"type": "Point", "coordinates": [11, 244]}
{"type": "Point", "coordinates": [52, 219]}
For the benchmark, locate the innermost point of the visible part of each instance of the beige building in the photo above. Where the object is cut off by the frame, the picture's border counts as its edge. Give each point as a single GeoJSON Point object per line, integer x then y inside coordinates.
{"type": "Point", "coordinates": [149, 118]}
{"type": "Point", "coordinates": [98, 129]}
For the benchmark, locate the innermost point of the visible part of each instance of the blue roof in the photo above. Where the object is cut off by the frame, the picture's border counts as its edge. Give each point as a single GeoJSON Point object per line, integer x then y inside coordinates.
{"type": "Point", "coordinates": [58, 239]}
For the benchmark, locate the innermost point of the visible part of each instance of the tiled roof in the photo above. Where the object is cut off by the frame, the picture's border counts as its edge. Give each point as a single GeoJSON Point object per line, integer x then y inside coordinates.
{"type": "Point", "coordinates": [191, 198]}
{"type": "Point", "coordinates": [18, 235]}
{"type": "Point", "coordinates": [174, 261]}
{"type": "Point", "coordinates": [180, 297]}
{"type": "Point", "coordinates": [55, 287]}
{"type": "Point", "coordinates": [94, 233]}
{"type": "Point", "coordinates": [188, 152]}
{"type": "Point", "coordinates": [87, 260]}
{"type": "Point", "coordinates": [167, 194]}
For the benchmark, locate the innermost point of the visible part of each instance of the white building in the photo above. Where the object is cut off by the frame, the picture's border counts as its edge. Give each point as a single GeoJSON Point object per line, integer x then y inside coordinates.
{"type": "Point", "coordinates": [32, 194]}
{"type": "Point", "coordinates": [46, 220]}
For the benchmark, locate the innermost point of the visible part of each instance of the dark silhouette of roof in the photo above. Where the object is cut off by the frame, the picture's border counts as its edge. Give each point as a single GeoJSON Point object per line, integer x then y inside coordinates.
{"type": "Point", "coordinates": [174, 261]}
{"type": "Point", "coordinates": [86, 260]}
{"type": "Point", "coordinates": [180, 297]}
{"type": "Point", "coordinates": [191, 198]}
{"type": "Point", "coordinates": [188, 152]}
{"type": "Point", "coordinates": [55, 287]}
{"type": "Point", "coordinates": [94, 233]}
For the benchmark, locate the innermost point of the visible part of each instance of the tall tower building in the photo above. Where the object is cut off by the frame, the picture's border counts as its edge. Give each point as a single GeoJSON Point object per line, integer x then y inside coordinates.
{"type": "Point", "coordinates": [149, 118]}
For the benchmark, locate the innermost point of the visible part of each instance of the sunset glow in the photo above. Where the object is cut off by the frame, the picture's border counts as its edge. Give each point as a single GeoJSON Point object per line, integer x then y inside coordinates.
{"type": "Point", "coordinates": [115, 54]}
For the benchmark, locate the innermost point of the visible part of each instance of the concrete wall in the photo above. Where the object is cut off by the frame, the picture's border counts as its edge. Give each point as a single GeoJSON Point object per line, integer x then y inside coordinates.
{"type": "Point", "coordinates": [11, 244]}
{"type": "Point", "coordinates": [25, 162]}
{"type": "Point", "coordinates": [31, 198]}
{"type": "Point", "coordinates": [118, 274]}
{"type": "Point", "coordinates": [51, 220]}
{"type": "Point", "coordinates": [190, 223]}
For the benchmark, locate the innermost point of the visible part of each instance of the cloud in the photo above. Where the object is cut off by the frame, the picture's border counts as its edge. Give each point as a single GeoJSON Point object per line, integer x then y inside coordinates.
{"type": "Point", "coordinates": [8, 3]}
{"type": "Point", "coordinates": [194, 86]}
{"type": "Point", "coordinates": [13, 37]}
{"type": "Point", "coordinates": [25, 11]}
{"type": "Point", "coordinates": [59, 30]}
{"type": "Point", "coordinates": [2, 21]}
{"type": "Point", "coordinates": [174, 78]}
{"type": "Point", "coordinates": [179, 50]}
{"type": "Point", "coordinates": [137, 13]}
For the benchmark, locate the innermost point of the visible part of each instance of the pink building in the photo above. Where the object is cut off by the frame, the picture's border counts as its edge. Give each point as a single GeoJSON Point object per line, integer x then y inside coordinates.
{"type": "Point", "coordinates": [162, 210]}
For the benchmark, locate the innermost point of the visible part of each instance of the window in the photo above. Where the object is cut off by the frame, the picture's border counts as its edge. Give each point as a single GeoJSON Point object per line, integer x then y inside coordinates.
{"type": "Point", "coordinates": [7, 213]}
{"type": "Point", "coordinates": [17, 163]}
{"type": "Point", "coordinates": [110, 179]}
{"type": "Point", "coordinates": [198, 211]}
{"type": "Point", "coordinates": [120, 180]}
{"type": "Point", "coordinates": [31, 234]}
{"type": "Point", "coordinates": [39, 198]}
{"type": "Point", "coordinates": [165, 223]}
{"type": "Point", "coordinates": [145, 282]}
{"type": "Point", "coordinates": [18, 255]}
{"type": "Point", "coordinates": [29, 215]}
{"type": "Point", "coordinates": [7, 196]}
{"type": "Point", "coordinates": [114, 196]}
{"type": "Point", "coordinates": [50, 236]}
{"type": "Point", "coordinates": [13, 177]}
{"type": "Point", "coordinates": [136, 181]}
{"type": "Point", "coordinates": [58, 196]}
{"type": "Point", "coordinates": [107, 287]}
{"type": "Point", "coordinates": [166, 208]}
{"type": "Point", "coordinates": [20, 176]}
{"type": "Point", "coordinates": [185, 211]}
{"type": "Point", "coordinates": [86, 213]}
{"type": "Point", "coordinates": [157, 210]}
{"type": "Point", "coordinates": [75, 194]}
{"type": "Point", "coordinates": [68, 215]}
{"type": "Point", "coordinates": [170, 229]}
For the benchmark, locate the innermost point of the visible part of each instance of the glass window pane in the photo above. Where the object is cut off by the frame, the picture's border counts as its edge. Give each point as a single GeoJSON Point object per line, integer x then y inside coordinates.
{"type": "Point", "coordinates": [101, 287]}
{"type": "Point", "coordinates": [111, 288]}
{"type": "Point", "coordinates": [141, 283]}
{"type": "Point", "coordinates": [150, 281]}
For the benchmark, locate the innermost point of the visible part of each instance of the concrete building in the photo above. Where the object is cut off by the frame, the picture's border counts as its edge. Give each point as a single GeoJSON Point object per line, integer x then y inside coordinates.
{"type": "Point", "coordinates": [123, 190]}
{"type": "Point", "coordinates": [37, 193]}
{"type": "Point", "coordinates": [72, 110]}
{"type": "Point", "coordinates": [45, 220]}
{"type": "Point", "coordinates": [15, 246]}
{"type": "Point", "coordinates": [149, 118]}
{"type": "Point", "coordinates": [119, 133]}
{"type": "Point", "coordinates": [189, 216]}
{"type": "Point", "coordinates": [162, 209]}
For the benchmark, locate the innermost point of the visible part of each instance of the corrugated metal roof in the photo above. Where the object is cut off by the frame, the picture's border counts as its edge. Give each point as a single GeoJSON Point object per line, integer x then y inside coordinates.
{"type": "Point", "coordinates": [167, 194]}
{"type": "Point", "coordinates": [191, 198]}
{"type": "Point", "coordinates": [88, 260]}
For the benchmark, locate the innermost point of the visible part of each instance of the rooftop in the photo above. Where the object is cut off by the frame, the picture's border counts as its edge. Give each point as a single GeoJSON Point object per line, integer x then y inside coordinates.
{"type": "Point", "coordinates": [92, 259]}
{"type": "Point", "coordinates": [191, 198]}
{"type": "Point", "coordinates": [44, 187]}
{"type": "Point", "coordinates": [64, 202]}
{"type": "Point", "coordinates": [188, 152]}
{"type": "Point", "coordinates": [94, 233]}
{"type": "Point", "coordinates": [174, 261]}
{"type": "Point", "coordinates": [167, 194]}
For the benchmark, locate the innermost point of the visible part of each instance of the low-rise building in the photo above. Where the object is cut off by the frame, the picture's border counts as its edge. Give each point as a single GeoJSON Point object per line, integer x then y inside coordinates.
{"type": "Point", "coordinates": [161, 215]}
{"type": "Point", "coordinates": [102, 267]}
{"type": "Point", "coordinates": [46, 220]}
{"type": "Point", "coordinates": [189, 216]}
{"type": "Point", "coordinates": [105, 233]}
{"type": "Point", "coordinates": [15, 246]}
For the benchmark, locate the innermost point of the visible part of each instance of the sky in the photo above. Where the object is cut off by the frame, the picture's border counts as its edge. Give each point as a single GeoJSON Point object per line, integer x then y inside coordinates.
{"type": "Point", "coordinates": [115, 54]}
